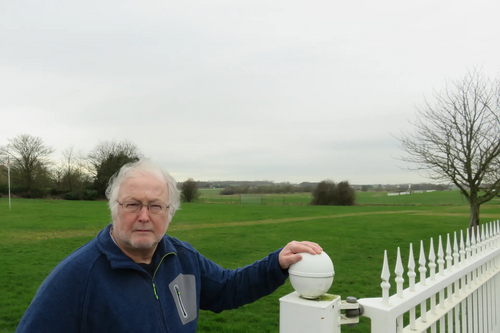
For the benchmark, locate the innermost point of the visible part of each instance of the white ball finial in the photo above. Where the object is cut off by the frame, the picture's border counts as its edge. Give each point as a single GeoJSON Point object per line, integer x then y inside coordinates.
{"type": "Point", "coordinates": [313, 275]}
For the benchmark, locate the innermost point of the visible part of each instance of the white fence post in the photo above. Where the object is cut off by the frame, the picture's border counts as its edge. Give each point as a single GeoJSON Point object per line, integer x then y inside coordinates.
{"type": "Point", "coordinates": [299, 315]}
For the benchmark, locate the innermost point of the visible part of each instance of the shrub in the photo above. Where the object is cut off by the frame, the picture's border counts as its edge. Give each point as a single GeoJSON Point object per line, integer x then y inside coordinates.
{"type": "Point", "coordinates": [227, 191]}
{"type": "Point", "coordinates": [328, 193]}
{"type": "Point", "coordinates": [55, 192]}
{"type": "Point", "coordinates": [89, 195]}
{"type": "Point", "coordinates": [35, 193]}
{"type": "Point", "coordinates": [18, 190]}
{"type": "Point", "coordinates": [189, 191]}
{"type": "Point", "coordinates": [72, 196]}
{"type": "Point", "coordinates": [346, 196]}
{"type": "Point", "coordinates": [324, 193]}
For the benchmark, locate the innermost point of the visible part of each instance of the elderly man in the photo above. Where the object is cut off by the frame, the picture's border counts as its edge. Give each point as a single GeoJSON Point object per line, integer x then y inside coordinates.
{"type": "Point", "coordinates": [134, 278]}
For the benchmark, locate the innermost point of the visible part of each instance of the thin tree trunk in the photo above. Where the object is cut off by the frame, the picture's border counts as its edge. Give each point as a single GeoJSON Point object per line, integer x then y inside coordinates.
{"type": "Point", "coordinates": [474, 215]}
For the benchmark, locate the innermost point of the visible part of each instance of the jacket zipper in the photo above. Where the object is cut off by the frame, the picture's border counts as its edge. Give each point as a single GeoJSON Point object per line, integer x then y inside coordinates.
{"type": "Point", "coordinates": [159, 308]}
{"type": "Point", "coordinates": [156, 270]}
{"type": "Point", "coordinates": [178, 292]}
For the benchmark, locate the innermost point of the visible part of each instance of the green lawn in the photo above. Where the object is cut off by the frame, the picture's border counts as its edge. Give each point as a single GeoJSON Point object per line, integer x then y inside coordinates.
{"type": "Point", "coordinates": [362, 198]}
{"type": "Point", "coordinates": [36, 234]}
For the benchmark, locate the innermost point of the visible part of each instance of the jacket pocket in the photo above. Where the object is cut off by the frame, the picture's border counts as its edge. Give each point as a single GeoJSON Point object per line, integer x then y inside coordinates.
{"type": "Point", "coordinates": [183, 289]}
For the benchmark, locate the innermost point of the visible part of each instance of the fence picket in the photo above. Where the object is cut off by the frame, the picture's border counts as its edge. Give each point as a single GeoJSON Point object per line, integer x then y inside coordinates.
{"type": "Point", "coordinates": [449, 257]}
{"type": "Point", "coordinates": [386, 285]}
{"type": "Point", "coordinates": [473, 242]}
{"type": "Point", "coordinates": [399, 274]}
{"type": "Point", "coordinates": [411, 269]}
{"type": "Point", "coordinates": [469, 313]}
{"type": "Point", "coordinates": [462, 248]}
{"type": "Point", "coordinates": [422, 262]}
{"type": "Point", "coordinates": [440, 260]}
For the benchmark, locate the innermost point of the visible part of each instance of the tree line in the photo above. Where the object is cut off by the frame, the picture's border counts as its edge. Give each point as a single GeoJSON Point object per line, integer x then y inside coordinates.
{"type": "Point", "coordinates": [76, 176]}
{"type": "Point", "coordinates": [266, 189]}
{"type": "Point", "coordinates": [324, 193]}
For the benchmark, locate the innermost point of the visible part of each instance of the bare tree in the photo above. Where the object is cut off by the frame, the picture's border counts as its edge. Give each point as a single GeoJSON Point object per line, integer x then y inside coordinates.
{"type": "Point", "coordinates": [457, 139]}
{"type": "Point", "coordinates": [70, 174]}
{"type": "Point", "coordinates": [29, 158]}
{"type": "Point", "coordinates": [69, 165]}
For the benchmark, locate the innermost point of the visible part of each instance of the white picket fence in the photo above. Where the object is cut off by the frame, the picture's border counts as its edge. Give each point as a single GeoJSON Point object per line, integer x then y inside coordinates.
{"type": "Point", "coordinates": [462, 297]}
{"type": "Point", "coordinates": [458, 292]}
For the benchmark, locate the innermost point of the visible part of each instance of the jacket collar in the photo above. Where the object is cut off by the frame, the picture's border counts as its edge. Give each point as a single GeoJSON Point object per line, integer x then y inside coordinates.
{"type": "Point", "coordinates": [118, 259]}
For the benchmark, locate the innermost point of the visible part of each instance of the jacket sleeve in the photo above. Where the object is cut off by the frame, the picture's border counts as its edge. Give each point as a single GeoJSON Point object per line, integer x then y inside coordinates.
{"type": "Point", "coordinates": [224, 289]}
{"type": "Point", "coordinates": [57, 303]}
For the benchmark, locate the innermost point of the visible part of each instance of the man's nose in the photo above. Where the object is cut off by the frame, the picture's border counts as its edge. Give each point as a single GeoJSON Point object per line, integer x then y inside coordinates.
{"type": "Point", "coordinates": [144, 213]}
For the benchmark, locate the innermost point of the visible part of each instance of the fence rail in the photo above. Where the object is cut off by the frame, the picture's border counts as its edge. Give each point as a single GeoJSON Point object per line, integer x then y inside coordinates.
{"type": "Point", "coordinates": [259, 199]}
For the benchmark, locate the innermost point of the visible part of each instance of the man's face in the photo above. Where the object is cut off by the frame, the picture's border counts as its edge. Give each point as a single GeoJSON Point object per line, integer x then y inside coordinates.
{"type": "Point", "coordinates": [141, 231]}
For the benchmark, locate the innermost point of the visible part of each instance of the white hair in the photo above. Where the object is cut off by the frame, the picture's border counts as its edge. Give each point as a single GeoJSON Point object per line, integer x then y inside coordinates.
{"type": "Point", "coordinates": [141, 167]}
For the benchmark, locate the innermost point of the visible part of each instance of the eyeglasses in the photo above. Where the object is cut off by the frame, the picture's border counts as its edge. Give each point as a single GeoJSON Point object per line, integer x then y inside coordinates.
{"type": "Point", "coordinates": [135, 206]}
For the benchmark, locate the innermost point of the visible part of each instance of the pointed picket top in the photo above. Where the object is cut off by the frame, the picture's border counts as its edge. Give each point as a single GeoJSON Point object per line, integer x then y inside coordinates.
{"type": "Point", "coordinates": [496, 233]}
{"type": "Point", "coordinates": [496, 240]}
{"type": "Point", "coordinates": [487, 234]}
{"type": "Point", "coordinates": [421, 262]}
{"type": "Point", "coordinates": [399, 274]}
{"type": "Point", "coordinates": [479, 239]}
{"type": "Point", "coordinates": [432, 260]}
{"type": "Point", "coordinates": [440, 260]}
{"type": "Point", "coordinates": [478, 234]}
{"type": "Point", "coordinates": [483, 238]}
{"type": "Point", "coordinates": [496, 227]}
{"type": "Point", "coordinates": [449, 258]}
{"type": "Point", "coordinates": [462, 247]}
{"type": "Point", "coordinates": [468, 248]}
{"type": "Point", "coordinates": [386, 274]}
{"type": "Point", "coordinates": [473, 242]}
{"type": "Point", "coordinates": [411, 269]}
{"type": "Point", "coordinates": [456, 254]}
{"type": "Point", "coordinates": [492, 230]}
{"type": "Point", "coordinates": [492, 234]}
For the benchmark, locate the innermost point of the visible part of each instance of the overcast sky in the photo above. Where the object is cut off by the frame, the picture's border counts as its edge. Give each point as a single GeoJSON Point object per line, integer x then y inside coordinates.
{"type": "Point", "coordinates": [239, 90]}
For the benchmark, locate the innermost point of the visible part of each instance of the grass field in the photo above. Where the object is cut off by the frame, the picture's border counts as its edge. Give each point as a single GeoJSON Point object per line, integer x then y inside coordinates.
{"type": "Point", "coordinates": [36, 234]}
{"type": "Point", "coordinates": [362, 198]}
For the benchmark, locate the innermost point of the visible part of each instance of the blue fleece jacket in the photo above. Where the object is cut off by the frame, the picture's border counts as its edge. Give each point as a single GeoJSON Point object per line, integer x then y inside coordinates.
{"type": "Point", "coordinates": [99, 289]}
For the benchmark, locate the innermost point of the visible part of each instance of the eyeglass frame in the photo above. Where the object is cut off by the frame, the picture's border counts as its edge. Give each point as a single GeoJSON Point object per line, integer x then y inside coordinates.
{"type": "Point", "coordinates": [142, 205]}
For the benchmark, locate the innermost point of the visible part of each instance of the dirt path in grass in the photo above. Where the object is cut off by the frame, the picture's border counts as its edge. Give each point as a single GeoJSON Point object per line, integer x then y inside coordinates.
{"type": "Point", "coordinates": [91, 232]}
{"type": "Point", "coordinates": [182, 226]}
